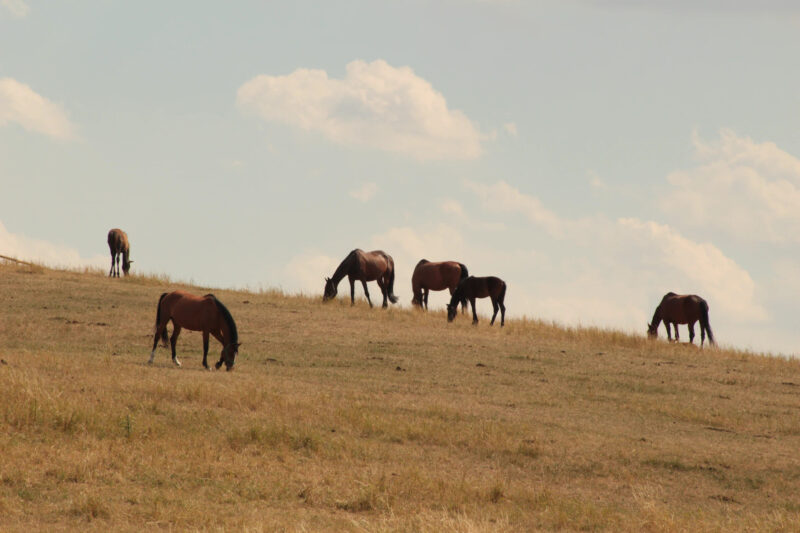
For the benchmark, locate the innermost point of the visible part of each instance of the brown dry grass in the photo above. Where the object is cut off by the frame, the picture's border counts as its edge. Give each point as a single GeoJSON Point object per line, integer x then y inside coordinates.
{"type": "Point", "coordinates": [351, 419]}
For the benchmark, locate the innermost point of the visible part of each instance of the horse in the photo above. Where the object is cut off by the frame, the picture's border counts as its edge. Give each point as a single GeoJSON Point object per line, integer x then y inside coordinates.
{"type": "Point", "coordinates": [118, 245]}
{"type": "Point", "coordinates": [197, 313]}
{"type": "Point", "coordinates": [682, 309]}
{"type": "Point", "coordinates": [364, 266]}
{"type": "Point", "coordinates": [429, 276]}
{"type": "Point", "coordinates": [472, 288]}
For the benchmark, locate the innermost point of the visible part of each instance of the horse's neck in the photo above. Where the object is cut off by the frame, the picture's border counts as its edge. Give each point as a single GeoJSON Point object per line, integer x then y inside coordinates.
{"type": "Point", "coordinates": [656, 317]}
{"type": "Point", "coordinates": [343, 269]}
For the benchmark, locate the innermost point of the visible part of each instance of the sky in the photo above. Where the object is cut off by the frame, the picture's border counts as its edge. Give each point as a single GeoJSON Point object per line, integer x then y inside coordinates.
{"type": "Point", "coordinates": [595, 154]}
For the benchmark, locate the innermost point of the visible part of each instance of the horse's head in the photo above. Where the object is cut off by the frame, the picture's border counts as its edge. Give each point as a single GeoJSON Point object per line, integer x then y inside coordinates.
{"type": "Point", "coordinates": [452, 310]}
{"type": "Point", "coordinates": [330, 290]}
{"type": "Point", "coordinates": [126, 266]}
{"type": "Point", "coordinates": [652, 331]}
{"type": "Point", "coordinates": [230, 352]}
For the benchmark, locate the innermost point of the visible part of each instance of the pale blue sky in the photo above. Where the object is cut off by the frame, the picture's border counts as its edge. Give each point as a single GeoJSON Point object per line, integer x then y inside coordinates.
{"type": "Point", "coordinates": [594, 154]}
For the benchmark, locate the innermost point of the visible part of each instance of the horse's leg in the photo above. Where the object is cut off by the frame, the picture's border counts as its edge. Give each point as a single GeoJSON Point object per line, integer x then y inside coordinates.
{"type": "Point", "coordinates": [110, 272]}
{"type": "Point", "coordinates": [691, 332]}
{"type": "Point", "coordinates": [669, 333]}
{"type": "Point", "coordinates": [496, 308]}
{"type": "Point", "coordinates": [425, 298]}
{"type": "Point", "coordinates": [474, 312]}
{"type": "Point", "coordinates": [352, 291]}
{"type": "Point", "coordinates": [366, 291]}
{"type": "Point", "coordinates": [383, 286]}
{"type": "Point", "coordinates": [218, 335]}
{"type": "Point", "coordinates": [159, 329]}
{"type": "Point", "coordinates": [173, 341]}
{"type": "Point", "coordinates": [702, 333]}
{"type": "Point", "coordinates": [502, 312]}
{"type": "Point", "coordinates": [205, 350]}
{"type": "Point", "coordinates": [677, 334]}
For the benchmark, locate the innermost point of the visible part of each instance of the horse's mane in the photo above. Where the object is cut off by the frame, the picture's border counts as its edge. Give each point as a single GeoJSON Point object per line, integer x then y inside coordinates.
{"type": "Point", "coordinates": [228, 319]}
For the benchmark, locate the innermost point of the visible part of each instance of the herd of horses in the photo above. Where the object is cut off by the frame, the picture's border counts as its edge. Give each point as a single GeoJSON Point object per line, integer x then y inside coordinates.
{"type": "Point", "coordinates": [209, 316]}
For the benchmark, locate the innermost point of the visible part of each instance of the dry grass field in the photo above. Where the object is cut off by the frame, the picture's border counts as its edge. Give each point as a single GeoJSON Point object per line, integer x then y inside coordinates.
{"type": "Point", "coordinates": [342, 418]}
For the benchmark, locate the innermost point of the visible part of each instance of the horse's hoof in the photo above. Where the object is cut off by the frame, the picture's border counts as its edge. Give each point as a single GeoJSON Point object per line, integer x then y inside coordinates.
{"type": "Point", "coordinates": [177, 363]}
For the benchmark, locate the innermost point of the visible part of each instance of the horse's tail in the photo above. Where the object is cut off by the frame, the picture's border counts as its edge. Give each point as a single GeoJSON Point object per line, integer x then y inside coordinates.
{"type": "Point", "coordinates": [390, 289]}
{"type": "Point", "coordinates": [464, 272]}
{"type": "Point", "coordinates": [502, 296]}
{"type": "Point", "coordinates": [164, 336]}
{"type": "Point", "coordinates": [704, 323]}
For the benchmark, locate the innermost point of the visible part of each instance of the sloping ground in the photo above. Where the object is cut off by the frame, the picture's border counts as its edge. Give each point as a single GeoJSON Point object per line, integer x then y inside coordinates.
{"type": "Point", "coordinates": [340, 418]}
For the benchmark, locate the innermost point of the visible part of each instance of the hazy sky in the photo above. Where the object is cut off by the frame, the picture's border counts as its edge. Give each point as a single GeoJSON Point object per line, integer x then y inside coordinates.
{"type": "Point", "coordinates": [594, 154]}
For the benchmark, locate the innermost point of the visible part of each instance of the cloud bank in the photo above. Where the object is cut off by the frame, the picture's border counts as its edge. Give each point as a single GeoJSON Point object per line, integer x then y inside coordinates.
{"type": "Point", "coordinates": [748, 190]}
{"type": "Point", "coordinates": [375, 105]}
{"type": "Point", "coordinates": [21, 105]}
{"type": "Point", "coordinates": [46, 253]}
{"type": "Point", "coordinates": [17, 8]}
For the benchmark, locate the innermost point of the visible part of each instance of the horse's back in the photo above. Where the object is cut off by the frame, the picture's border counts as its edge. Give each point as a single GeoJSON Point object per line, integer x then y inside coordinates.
{"type": "Point", "coordinates": [189, 310]}
{"type": "Point", "coordinates": [117, 240]}
{"type": "Point", "coordinates": [682, 308]}
{"type": "Point", "coordinates": [437, 275]}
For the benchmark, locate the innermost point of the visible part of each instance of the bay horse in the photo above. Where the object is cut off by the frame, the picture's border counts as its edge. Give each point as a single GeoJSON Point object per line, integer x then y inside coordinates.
{"type": "Point", "coordinates": [472, 288]}
{"type": "Point", "coordinates": [364, 266]}
{"type": "Point", "coordinates": [118, 246]}
{"type": "Point", "coordinates": [436, 276]}
{"type": "Point", "coordinates": [197, 313]}
{"type": "Point", "coordinates": [682, 309]}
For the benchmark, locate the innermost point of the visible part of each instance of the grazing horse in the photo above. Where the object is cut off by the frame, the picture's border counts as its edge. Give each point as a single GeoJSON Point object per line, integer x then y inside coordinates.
{"type": "Point", "coordinates": [682, 309]}
{"type": "Point", "coordinates": [197, 313]}
{"type": "Point", "coordinates": [429, 276]}
{"type": "Point", "coordinates": [118, 245]}
{"type": "Point", "coordinates": [472, 288]}
{"type": "Point", "coordinates": [364, 266]}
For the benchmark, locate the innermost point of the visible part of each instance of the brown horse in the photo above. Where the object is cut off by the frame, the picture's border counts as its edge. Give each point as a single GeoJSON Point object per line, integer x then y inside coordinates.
{"type": "Point", "coordinates": [118, 245]}
{"type": "Point", "coordinates": [197, 313]}
{"type": "Point", "coordinates": [364, 266]}
{"type": "Point", "coordinates": [472, 288]}
{"type": "Point", "coordinates": [429, 276]}
{"type": "Point", "coordinates": [681, 309]}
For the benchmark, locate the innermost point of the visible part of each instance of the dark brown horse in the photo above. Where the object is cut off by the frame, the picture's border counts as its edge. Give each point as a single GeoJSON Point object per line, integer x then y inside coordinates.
{"type": "Point", "coordinates": [429, 276]}
{"type": "Point", "coordinates": [197, 313]}
{"type": "Point", "coordinates": [472, 288]}
{"type": "Point", "coordinates": [118, 246]}
{"type": "Point", "coordinates": [364, 266]}
{"type": "Point", "coordinates": [682, 309]}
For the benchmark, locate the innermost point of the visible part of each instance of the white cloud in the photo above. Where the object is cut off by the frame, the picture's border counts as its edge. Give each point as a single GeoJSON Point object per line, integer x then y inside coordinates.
{"type": "Point", "coordinates": [504, 198]}
{"type": "Point", "coordinates": [747, 189]}
{"type": "Point", "coordinates": [376, 105]}
{"type": "Point", "coordinates": [22, 105]}
{"type": "Point", "coordinates": [365, 192]}
{"type": "Point", "coordinates": [452, 207]}
{"type": "Point", "coordinates": [18, 8]}
{"type": "Point", "coordinates": [46, 253]}
{"type": "Point", "coordinates": [307, 271]}
{"type": "Point", "coordinates": [614, 267]}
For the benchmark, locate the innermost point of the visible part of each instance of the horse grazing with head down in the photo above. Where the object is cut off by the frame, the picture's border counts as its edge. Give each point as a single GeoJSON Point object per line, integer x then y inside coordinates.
{"type": "Point", "coordinates": [682, 309]}
{"type": "Point", "coordinates": [118, 246]}
{"type": "Point", "coordinates": [364, 266]}
{"type": "Point", "coordinates": [438, 276]}
{"type": "Point", "coordinates": [471, 288]}
{"type": "Point", "coordinates": [197, 313]}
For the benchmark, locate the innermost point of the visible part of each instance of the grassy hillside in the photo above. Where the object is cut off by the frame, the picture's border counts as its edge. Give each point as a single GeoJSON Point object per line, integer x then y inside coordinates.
{"type": "Point", "coordinates": [358, 419]}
